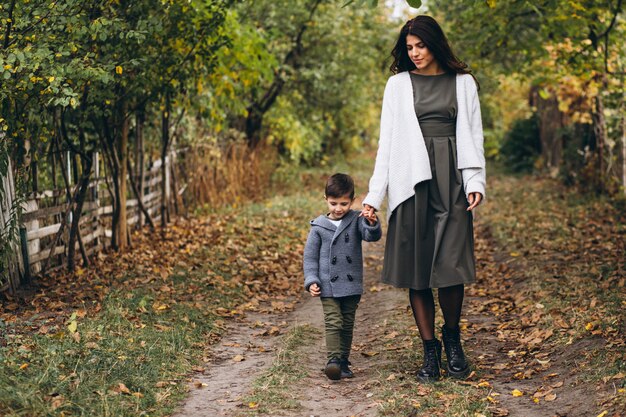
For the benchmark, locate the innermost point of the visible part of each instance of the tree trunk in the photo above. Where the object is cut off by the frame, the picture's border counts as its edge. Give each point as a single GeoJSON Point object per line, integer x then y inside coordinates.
{"type": "Point", "coordinates": [623, 164]}
{"type": "Point", "coordinates": [139, 166]}
{"type": "Point", "coordinates": [122, 228]}
{"type": "Point", "coordinates": [165, 138]}
{"type": "Point", "coordinates": [142, 207]}
{"type": "Point", "coordinates": [77, 213]}
{"type": "Point", "coordinates": [599, 130]}
{"type": "Point", "coordinates": [550, 123]}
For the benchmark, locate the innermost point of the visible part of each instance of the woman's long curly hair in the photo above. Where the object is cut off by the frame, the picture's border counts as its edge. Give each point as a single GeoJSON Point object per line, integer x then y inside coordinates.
{"type": "Point", "coordinates": [428, 30]}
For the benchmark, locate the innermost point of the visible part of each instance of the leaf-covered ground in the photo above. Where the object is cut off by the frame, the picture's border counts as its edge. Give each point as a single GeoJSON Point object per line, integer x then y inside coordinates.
{"type": "Point", "coordinates": [544, 325]}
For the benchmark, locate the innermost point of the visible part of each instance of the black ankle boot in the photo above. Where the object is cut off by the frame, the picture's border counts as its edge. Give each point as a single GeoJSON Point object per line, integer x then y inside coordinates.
{"type": "Point", "coordinates": [457, 364]}
{"type": "Point", "coordinates": [345, 369]}
{"type": "Point", "coordinates": [432, 360]}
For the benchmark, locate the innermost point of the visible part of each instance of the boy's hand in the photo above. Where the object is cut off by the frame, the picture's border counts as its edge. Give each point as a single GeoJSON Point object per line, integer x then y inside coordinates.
{"type": "Point", "coordinates": [368, 211]}
{"type": "Point", "coordinates": [372, 219]}
{"type": "Point", "coordinates": [315, 290]}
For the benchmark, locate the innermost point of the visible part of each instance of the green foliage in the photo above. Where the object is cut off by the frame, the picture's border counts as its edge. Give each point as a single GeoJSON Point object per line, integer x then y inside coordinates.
{"type": "Point", "coordinates": [330, 101]}
{"type": "Point", "coordinates": [521, 145]}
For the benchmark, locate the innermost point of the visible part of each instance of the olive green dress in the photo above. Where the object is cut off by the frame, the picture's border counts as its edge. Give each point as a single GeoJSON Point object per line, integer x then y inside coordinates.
{"type": "Point", "coordinates": [430, 239]}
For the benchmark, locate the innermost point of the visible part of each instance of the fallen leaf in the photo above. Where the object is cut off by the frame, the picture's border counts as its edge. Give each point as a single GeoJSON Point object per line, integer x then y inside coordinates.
{"type": "Point", "coordinates": [550, 397]}
{"type": "Point", "coordinates": [122, 389]}
{"type": "Point", "coordinates": [199, 384]}
{"type": "Point", "coordinates": [517, 393]}
{"type": "Point", "coordinates": [238, 358]}
{"type": "Point", "coordinates": [72, 326]}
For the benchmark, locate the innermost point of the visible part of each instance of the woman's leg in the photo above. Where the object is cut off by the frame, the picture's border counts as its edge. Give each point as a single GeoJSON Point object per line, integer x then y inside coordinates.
{"type": "Point", "coordinates": [451, 302]}
{"type": "Point", "coordinates": [423, 306]}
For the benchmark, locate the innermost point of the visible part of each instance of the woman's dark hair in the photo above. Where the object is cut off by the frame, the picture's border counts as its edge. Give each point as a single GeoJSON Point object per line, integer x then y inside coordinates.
{"type": "Point", "coordinates": [428, 30]}
{"type": "Point", "coordinates": [339, 185]}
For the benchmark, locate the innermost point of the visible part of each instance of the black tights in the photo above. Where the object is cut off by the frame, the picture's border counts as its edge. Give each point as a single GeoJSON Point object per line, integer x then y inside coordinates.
{"type": "Point", "coordinates": [423, 305]}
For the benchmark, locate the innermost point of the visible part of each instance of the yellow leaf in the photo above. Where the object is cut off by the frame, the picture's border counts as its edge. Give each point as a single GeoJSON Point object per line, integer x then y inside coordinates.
{"type": "Point", "coordinates": [602, 414]}
{"type": "Point", "coordinates": [252, 404]}
{"type": "Point", "coordinates": [517, 393]}
{"type": "Point", "coordinates": [24, 366]}
{"type": "Point", "coordinates": [514, 254]}
{"type": "Point", "coordinates": [589, 326]}
{"type": "Point", "coordinates": [536, 400]}
{"type": "Point", "coordinates": [119, 70]}
{"type": "Point", "coordinates": [72, 326]}
{"type": "Point", "coordinates": [484, 384]}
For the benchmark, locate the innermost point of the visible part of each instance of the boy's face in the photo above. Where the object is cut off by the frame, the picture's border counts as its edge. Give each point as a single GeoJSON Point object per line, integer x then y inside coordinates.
{"type": "Point", "coordinates": [338, 206]}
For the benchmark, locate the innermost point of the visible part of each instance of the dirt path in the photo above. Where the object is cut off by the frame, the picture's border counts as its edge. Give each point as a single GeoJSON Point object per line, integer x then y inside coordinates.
{"type": "Point", "coordinates": [219, 390]}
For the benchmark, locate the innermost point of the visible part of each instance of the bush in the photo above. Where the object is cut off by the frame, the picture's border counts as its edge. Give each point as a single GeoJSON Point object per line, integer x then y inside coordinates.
{"type": "Point", "coordinates": [521, 145]}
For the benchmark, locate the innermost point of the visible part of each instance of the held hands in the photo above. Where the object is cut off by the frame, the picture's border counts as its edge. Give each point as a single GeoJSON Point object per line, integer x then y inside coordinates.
{"type": "Point", "coordinates": [474, 200]}
{"type": "Point", "coordinates": [315, 290]}
{"type": "Point", "coordinates": [369, 213]}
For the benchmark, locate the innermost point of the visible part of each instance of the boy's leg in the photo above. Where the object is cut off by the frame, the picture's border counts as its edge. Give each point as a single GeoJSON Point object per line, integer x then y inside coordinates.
{"type": "Point", "coordinates": [348, 311]}
{"type": "Point", "coordinates": [333, 323]}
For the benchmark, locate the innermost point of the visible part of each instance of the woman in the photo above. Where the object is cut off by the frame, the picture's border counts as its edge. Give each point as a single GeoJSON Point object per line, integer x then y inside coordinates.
{"type": "Point", "coordinates": [431, 167]}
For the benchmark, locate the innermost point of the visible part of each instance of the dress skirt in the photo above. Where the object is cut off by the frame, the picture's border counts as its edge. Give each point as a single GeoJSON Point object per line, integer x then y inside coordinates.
{"type": "Point", "coordinates": [430, 239]}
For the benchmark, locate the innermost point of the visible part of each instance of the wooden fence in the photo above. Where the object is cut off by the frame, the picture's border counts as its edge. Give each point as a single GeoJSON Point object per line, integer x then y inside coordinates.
{"type": "Point", "coordinates": [43, 214]}
{"type": "Point", "coordinates": [14, 267]}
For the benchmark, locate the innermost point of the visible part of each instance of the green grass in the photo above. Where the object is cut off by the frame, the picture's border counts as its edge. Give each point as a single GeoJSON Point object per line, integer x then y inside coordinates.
{"type": "Point", "coordinates": [80, 377]}
{"type": "Point", "coordinates": [272, 390]}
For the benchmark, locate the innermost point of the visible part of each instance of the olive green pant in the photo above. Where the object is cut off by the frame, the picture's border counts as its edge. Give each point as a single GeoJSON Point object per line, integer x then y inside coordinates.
{"type": "Point", "coordinates": [339, 316]}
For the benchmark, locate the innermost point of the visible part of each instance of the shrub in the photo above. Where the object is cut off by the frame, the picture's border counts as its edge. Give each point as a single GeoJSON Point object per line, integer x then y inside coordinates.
{"type": "Point", "coordinates": [521, 145]}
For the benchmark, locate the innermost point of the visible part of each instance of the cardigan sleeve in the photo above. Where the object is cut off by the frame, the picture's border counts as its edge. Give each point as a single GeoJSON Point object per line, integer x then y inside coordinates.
{"type": "Point", "coordinates": [474, 179]}
{"type": "Point", "coordinates": [380, 178]}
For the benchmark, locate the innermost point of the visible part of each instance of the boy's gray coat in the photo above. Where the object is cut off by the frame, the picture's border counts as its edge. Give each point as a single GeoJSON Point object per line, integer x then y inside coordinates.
{"type": "Point", "coordinates": [333, 257]}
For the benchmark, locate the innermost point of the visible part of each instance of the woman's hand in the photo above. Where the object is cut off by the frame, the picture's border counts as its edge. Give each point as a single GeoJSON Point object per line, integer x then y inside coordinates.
{"type": "Point", "coordinates": [474, 200]}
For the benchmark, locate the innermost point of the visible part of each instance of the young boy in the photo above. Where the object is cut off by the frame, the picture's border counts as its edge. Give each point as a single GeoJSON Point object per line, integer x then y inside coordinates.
{"type": "Point", "coordinates": [333, 268]}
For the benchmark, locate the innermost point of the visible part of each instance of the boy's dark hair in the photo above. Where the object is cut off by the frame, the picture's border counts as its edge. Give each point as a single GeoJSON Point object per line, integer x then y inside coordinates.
{"type": "Point", "coordinates": [339, 185]}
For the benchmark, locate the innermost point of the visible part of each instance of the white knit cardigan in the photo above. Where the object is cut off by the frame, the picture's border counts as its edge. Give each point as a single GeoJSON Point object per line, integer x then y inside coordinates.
{"type": "Point", "coordinates": [402, 160]}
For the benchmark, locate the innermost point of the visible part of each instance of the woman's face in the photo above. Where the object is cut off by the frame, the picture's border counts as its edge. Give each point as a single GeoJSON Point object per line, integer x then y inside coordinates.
{"type": "Point", "coordinates": [420, 55]}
